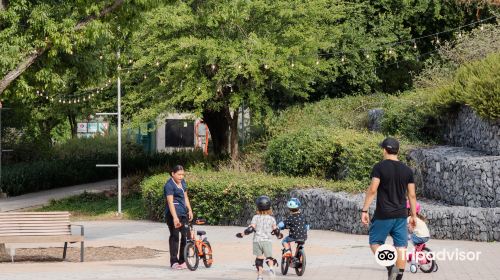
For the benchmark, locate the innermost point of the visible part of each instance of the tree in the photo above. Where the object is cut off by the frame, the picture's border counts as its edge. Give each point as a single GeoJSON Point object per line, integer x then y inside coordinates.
{"type": "Point", "coordinates": [211, 57]}
{"type": "Point", "coordinates": [61, 48]}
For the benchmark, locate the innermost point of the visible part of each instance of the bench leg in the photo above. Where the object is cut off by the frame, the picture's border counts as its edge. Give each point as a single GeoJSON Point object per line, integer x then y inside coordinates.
{"type": "Point", "coordinates": [65, 249]}
{"type": "Point", "coordinates": [82, 251]}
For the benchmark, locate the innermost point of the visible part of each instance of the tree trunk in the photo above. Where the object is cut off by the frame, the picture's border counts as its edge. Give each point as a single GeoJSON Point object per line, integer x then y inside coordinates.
{"type": "Point", "coordinates": [233, 125]}
{"type": "Point", "coordinates": [73, 124]}
{"type": "Point", "coordinates": [219, 130]}
{"type": "Point", "coordinates": [35, 54]}
{"type": "Point", "coordinates": [3, 5]}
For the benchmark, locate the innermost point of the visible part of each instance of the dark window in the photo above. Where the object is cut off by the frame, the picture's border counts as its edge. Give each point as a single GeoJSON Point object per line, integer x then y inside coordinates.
{"type": "Point", "coordinates": [179, 133]}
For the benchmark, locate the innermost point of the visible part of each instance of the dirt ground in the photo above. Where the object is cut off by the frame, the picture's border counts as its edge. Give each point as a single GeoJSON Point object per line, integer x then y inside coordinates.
{"type": "Point", "coordinates": [92, 254]}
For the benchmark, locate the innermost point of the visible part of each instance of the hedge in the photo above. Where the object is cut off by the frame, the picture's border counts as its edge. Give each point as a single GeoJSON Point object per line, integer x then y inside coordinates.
{"type": "Point", "coordinates": [52, 173]}
{"type": "Point", "coordinates": [221, 196]}
{"type": "Point", "coordinates": [328, 153]}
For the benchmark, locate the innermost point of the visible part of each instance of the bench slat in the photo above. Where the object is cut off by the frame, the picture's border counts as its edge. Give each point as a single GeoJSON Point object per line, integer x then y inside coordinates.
{"type": "Point", "coordinates": [5, 227]}
{"type": "Point", "coordinates": [35, 233]}
{"type": "Point", "coordinates": [35, 219]}
{"type": "Point", "coordinates": [41, 239]}
{"type": "Point", "coordinates": [34, 213]}
{"type": "Point", "coordinates": [35, 222]}
{"type": "Point", "coordinates": [35, 229]}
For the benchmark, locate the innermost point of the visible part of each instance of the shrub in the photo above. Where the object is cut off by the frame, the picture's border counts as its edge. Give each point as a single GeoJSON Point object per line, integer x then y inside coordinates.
{"type": "Point", "coordinates": [75, 163]}
{"type": "Point", "coordinates": [221, 196]}
{"type": "Point", "coordinates": [319, 151]}
{"type": "Point", "coordinates": [477, 85]}
{"type": "Point", "coordinates": [347, 112]}
{"type": "Point", "coordinates": [412, 116]}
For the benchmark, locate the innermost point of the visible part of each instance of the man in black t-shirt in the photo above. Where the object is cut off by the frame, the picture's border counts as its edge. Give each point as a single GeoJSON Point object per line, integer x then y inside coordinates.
{"type": "Point", "coordinates": [392, 182]}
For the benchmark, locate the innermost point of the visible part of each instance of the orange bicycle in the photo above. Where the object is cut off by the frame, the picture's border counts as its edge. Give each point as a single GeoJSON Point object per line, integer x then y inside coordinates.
{"type": "Point", "coordinates": [197, 248]}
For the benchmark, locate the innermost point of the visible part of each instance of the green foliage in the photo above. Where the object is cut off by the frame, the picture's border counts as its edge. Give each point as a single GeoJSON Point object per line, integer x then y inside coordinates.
{"type": "Point", "coordinates": [412, 116]}
{"type": "Point", "coordinates": [74, 163]}
{"type": "Point", "coordinates": [221, 196]}
{"type": "Point", "coordinates": [347, 112]}
{"type": "Point", "coordinates": [95, 205]}
{"type": "Point", "coordinates": [477, 85]}
{"type": "Point", "coordinates": [330, 153]}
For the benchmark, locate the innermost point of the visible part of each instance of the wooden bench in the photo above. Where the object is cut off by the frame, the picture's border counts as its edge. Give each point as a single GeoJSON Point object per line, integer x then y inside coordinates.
{"type": "Point", "coordinates": [39, 227]}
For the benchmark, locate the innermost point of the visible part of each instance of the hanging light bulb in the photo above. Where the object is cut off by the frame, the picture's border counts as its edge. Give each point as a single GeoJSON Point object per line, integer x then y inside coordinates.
{"type": "Point", "coordinates": [97, 91]}
{"type": "Point", "coordinates": [213, 67]}
{"type": "Point", "coordinates": [145, 77]}
{"type": "Point", "coordinates": [47, 97]}
{"type": "Point", "coordinates": [437, 40]}
{"type": "Point", "coordinates": [130, 61]}
{"type": "Point", "coordinates": [64, 101]}
{"type": "Point", "coordinates": [37, 92]}
{"type": "Point", "coordinates": [186, 65]}
{"type": "Point", "coordinates": [60, 101]}
{"type": "Point", "coordinates": [83, 98]}
{"type": "Point", "coordinates": [343, 59]}
{"type": "Point", "coordinates": [92, 94]}
{"type": "Point", "coordinates": [157, 63]}
{"type": "Point", "coordinates": [415, 45]}
{"type": "Point", "coordinates": [317, 62]}
{"type": "Point", "coordinates": [481, 27]}
{"type": "Point", "coordinates": [460, 34]}
{"type": "Point", "coordinates": [51, 99]}
{"type": "Point", "coordinates": [89, 96]}
{"type": "Point", "coordinates": [101, 57]}
{"type": "Point", "coordinates": [266, 66]}
{"type": "Point", "coordinates": [293, 64]}
{"type": "Point", "coordinates": [367, 56]}
{"type": "Point", "coordinates": [239, 66]}
{"type": "Point", "coordinates": [390, 51]}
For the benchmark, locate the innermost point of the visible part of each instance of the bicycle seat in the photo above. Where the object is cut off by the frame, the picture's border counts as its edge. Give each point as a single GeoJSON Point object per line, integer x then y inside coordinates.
{"type": "Point", "coordinates": [201, 232]}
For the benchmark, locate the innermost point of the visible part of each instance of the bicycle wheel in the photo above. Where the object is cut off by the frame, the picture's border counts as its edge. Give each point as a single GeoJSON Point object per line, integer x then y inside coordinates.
{"type": "Point", "coordinates": [191, 256]}
{"type": "Point", "coordinates": [207, 254]}
{"type": "Point", "coordinates": [300, 266]}
{"type": "Point", "coordinates": [429, 264]}
{"type": "Point", "coordinates": [285, 264]}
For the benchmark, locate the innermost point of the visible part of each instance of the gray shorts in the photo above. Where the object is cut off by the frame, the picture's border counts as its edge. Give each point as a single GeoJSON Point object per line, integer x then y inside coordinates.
{"type": "Point", "coordinates": [263, 248]}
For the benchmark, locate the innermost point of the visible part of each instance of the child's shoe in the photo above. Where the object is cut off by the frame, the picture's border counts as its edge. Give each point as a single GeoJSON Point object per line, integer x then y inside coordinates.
{"type": "Point", "coordinates": [287, 253]}
{"type": "Point", "coordinates": [260, 277]}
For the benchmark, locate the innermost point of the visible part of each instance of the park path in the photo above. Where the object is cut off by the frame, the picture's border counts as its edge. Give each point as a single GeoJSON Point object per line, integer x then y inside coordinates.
{"type": "Point", "coordinates": [331, 255]}
{"type": "Point", "coordinates": [44, 197]}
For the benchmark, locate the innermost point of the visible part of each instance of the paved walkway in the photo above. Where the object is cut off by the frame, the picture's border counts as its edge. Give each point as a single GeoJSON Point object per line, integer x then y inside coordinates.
{"type": "Point", "coordinates": [331, 255]}
{"type": "Point", "coordinates": [44, 197]}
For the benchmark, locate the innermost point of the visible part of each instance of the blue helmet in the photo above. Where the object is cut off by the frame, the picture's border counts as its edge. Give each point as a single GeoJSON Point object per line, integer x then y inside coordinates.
{"type": "Point", "coordinates": [293, 203]}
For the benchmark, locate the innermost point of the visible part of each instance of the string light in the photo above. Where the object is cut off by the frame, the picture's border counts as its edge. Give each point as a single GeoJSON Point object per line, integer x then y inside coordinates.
{"type": "Point", "coordinates": [213, 67]}
{"type": "Point", "coordinates": [157, 64]}
{"type": "Point", "coordinates": [317, 62]}
{"type": "Point", "coordinates": [415, 45]}
{"type": "Point", "coordinates": [266, 66]}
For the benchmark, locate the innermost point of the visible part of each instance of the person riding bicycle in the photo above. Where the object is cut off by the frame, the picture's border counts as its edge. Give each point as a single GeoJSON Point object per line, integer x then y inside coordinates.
{"type": "Point", "coordinates": [263, 225]}
{"type": "Point", "coordinates": [418, 234]}
{"type": "Point", "coordinates": [297, 225]}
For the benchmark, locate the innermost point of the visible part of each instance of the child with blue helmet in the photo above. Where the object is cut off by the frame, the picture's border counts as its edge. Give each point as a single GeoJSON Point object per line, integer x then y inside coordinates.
{"type": "Point", "coordinates": [296, 224]}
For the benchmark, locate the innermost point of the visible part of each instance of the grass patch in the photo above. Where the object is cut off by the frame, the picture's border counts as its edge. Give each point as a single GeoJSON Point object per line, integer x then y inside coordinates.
{"type": "Point", "coordinates": [98, 206]}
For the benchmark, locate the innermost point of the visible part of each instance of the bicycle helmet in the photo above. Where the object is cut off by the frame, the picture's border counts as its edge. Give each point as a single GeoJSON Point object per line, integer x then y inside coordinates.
{"type": "Point", "coordinates": [263, 203]}
{"type": "Point", "coordinates": [293, 203]}
{"type": "Point", "coordinates": [408, 206]}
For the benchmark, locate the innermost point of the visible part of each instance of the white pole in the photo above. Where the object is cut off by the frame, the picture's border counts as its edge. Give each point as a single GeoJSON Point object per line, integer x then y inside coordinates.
{"type": "Point", "coordinates": [119, 143]}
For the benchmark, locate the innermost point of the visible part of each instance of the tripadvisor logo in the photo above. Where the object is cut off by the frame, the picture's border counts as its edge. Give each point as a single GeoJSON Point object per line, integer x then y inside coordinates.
{"type": "Point", "coordinates": [386, 255]}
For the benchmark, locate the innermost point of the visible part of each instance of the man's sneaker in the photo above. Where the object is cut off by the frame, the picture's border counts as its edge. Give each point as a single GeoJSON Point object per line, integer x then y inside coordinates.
{"type": "Point", "coordinates": [183, 265]}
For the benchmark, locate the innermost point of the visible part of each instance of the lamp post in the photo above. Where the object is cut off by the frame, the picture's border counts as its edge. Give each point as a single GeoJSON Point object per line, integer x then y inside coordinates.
{"type": "Point", "coordinates": [119, 128]}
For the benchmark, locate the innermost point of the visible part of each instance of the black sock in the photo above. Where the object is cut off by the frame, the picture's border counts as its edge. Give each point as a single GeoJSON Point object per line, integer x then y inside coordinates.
{"type": "Point", "coordinates": [400, 274]}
